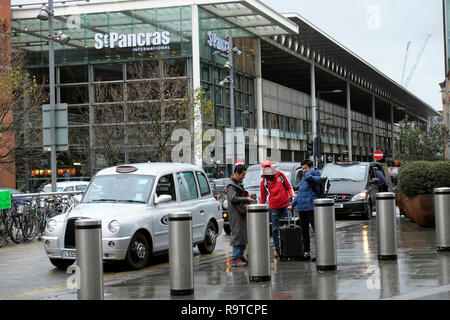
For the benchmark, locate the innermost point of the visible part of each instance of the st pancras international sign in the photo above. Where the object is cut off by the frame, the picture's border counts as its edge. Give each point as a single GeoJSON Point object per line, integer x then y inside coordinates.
{"type": "Point", "coordinates": [137, 41]}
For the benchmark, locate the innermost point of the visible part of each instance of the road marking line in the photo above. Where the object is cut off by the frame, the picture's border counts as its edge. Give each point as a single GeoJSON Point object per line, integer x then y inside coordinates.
{"type": "Point", "coordinates": [18, 295]}
{"type": "Point", "coordinates": [22, 247]}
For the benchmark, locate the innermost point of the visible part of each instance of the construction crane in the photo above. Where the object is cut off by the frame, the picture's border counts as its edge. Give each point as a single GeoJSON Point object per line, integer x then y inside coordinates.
{"type": "Point", "coordinates": [417, 62]}
{"type": "Point", "coordinates": [404, 63]}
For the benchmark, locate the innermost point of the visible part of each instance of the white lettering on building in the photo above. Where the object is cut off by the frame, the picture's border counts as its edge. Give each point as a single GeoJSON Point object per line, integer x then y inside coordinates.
{"type": "Point", "coordinates": [132, 40]}
{"type": "Point", "coordinates": [217, 42]}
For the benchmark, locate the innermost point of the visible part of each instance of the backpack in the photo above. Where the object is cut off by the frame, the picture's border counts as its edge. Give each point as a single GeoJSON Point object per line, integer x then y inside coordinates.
{"type": "Point", "coordinates": [267, 184]}
{"type": "Point", "coordinates": [324, 187]}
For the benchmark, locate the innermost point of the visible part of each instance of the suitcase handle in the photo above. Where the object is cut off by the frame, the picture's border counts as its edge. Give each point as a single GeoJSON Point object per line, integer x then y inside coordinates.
{"type": "Point", "coordinates": [289, 218]}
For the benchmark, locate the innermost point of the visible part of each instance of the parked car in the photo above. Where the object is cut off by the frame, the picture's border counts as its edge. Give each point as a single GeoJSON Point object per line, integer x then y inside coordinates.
{"type": "Point", "coordinates": [354, 186]}
{"type": "Point", "coordinates": [219, 187]}
{"type": "Point", "coordinates": [133, 202]}
{"type": "Point", "coordinates": [292, 171]}
{"type": "Point", "coordinates": [65, 186]}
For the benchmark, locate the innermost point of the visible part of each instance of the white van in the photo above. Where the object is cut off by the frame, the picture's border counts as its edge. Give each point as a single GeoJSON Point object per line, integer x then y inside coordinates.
{"type": "Point", "coordinates": [65, 186]}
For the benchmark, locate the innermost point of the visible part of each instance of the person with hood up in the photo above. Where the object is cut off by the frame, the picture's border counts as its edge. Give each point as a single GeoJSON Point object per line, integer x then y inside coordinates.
{"type": "Point", "coordinates": [275, 186]}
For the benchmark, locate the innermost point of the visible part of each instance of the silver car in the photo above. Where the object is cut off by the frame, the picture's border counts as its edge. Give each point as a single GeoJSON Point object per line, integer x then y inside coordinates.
{"type": "Point", "coordinates": [133, 203]}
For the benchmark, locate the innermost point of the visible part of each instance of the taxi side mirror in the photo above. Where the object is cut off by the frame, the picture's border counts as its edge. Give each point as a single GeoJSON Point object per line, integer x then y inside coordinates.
{"type": "Point", "coordinates": [163, 199]}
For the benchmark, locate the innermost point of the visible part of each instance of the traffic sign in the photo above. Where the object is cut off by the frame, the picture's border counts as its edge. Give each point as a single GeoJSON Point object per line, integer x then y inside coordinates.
{"type": "Point", "coordinates": [378, 155]}
{"type": "Point", "coordinates": [61, 127]}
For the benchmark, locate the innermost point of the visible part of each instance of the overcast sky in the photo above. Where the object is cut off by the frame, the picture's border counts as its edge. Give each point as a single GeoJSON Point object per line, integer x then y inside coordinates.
{"type": "Point", "coordinates": [378, 31]}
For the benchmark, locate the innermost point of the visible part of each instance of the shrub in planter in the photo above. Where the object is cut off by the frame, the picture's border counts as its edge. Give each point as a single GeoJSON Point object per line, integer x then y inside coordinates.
{"type": "Point", "coordinates": [417, 181]}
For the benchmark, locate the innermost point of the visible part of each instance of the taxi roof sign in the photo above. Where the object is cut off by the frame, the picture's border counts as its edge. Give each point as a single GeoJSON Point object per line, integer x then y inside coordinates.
{"type": "Point", "coordinates": [126, 169]}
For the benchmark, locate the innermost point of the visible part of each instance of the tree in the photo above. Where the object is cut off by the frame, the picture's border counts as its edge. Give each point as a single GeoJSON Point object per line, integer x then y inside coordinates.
{"type": "Point", "coordinates": [134, 121]}
{"type": "Point", "coordinates": [416, 145]}
{"type": "Point", "coordinates": [20, 101]}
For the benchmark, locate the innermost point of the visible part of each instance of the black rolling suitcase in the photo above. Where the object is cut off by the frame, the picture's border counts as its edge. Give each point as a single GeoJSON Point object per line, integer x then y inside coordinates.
{"type": "Point", "coordinates": [290, 238]}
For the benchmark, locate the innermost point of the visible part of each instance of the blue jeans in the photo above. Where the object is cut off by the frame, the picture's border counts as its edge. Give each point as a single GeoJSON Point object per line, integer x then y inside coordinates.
{"type": "Point", "coordinates": [275, 215]}
{"type": "Point", "coordinates": [238, 252]}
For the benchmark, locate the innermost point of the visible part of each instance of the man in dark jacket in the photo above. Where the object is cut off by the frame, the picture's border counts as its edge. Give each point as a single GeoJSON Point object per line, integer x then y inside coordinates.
{"type": "Point", "coordinates": [383, 185]}
{"type": "Point", "coordinates": [275, 186]}
{"type": "Point", "coordinates": [307, 192]}
{"type": "Point", "coordinates": [238, 222]}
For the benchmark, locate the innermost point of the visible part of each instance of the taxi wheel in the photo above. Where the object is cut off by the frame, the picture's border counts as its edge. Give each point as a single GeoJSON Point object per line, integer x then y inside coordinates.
{"type": "Point", "coordinates": [209, 243]}
{"type": "Point", "coordinates": [138, 252]}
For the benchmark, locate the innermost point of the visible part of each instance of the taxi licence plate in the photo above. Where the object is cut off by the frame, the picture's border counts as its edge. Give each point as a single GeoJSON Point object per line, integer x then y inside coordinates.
{"type": "Point", "coordinates": [338, 205]}
{"type": "Point", "coordinates": [69, 254]}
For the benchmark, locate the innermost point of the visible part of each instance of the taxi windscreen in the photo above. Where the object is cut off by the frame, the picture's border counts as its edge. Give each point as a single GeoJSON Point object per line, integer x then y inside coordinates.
{"type": "Point", "coordinates": [119, 188]}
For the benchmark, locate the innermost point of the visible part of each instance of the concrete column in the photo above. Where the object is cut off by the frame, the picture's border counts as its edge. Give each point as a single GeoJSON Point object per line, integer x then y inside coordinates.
{"type": "Point", "coordinates": [125, 113]}
{"type": "Point", "coordinates": [198, 159]}
{"type": "Point", "coordinates": [259, 106]}
{"type": "Point", "coordinates": [392, 130]}
{"type": "Point", "coordinates": [313, 103]}
{"type": "Point", "coordinates": [349, 124]}
{"type": "Point", "coordinates": [374, 125]}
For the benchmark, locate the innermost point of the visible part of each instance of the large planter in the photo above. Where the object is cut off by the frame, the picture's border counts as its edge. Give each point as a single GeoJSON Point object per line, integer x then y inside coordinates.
{"type": "Point", "coordinates": [420, 209]}
{"type": "Point", "coordinates": [401, 203]}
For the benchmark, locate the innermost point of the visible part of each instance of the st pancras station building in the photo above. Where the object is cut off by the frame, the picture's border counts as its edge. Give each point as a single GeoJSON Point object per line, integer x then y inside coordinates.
{"type": "Point", "coordinates": [272, 74]}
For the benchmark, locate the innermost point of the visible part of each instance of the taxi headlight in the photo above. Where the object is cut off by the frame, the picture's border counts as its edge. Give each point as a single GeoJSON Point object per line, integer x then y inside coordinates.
{"type": "Point", "coordinates": [360, 196]}
{"type": "Point", "coordinates": [225, 204]}
{"type": "Point", "coordinates": [51, 225]}
{"type": "Point", "coordinates": [114, 226]}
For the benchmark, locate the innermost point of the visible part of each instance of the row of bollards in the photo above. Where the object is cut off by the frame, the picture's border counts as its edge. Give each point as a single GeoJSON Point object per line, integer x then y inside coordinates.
{"type": "Point", "coordinates": [89, 242]}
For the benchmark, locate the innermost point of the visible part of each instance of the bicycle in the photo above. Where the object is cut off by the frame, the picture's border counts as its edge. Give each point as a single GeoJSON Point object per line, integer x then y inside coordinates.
{"type": "Point", "coordinates": [21, 225]}
{"type": "Point", "coordinates": [3, 227]}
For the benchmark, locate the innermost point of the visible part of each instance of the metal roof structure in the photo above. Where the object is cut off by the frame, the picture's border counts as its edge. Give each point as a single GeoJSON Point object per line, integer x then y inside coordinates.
{"type": "Point", "coordinates": [251, 15]}
{"type": "Point", "coordinates": [335, 64]}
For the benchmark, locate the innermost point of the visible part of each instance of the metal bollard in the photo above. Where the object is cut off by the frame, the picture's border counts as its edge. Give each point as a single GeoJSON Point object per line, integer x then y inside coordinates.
{"type": "Point", "coordinates": [88, 241]}
{"type": "Point", "coordinates": [181, 260]}
{"type": "Point", "coordinates": [442, 218]}
{"type": "Point", "coordinates": [258, 242]}
{"type": "Point", "coordinates": [325, 231]}
{"type": "Point", "coordinates": [386, 226]}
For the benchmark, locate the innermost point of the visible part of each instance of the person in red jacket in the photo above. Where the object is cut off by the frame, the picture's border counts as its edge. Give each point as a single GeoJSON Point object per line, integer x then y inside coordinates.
{"type": "Point", "coordinates": [275, 186]}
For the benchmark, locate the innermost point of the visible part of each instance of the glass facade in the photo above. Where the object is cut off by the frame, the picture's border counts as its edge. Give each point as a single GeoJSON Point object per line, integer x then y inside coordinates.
{"type": "Point", "coordinates": [113, 62]}
{"type": "Point", "coordinates": [109, 36]}
{"type": "Point", "coordinates": [123, 73]}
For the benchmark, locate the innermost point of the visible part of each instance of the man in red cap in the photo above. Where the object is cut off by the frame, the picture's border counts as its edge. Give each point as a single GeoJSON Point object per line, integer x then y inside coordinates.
{"type": "Point", "coordinates": [277, 188]}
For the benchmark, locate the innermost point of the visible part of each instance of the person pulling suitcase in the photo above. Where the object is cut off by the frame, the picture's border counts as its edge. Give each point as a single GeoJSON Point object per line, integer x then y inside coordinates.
{"type": "Point", "coordinates": [276, 187]}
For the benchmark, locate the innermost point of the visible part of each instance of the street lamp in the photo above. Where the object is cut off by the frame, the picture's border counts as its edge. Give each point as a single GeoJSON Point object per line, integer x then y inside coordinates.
{"type": "Point", "coordinates": [46, 13]}
{"type": "Point", "coordinates": [230, 79]}
{"type": "Point", "coordinates": [318, 139]}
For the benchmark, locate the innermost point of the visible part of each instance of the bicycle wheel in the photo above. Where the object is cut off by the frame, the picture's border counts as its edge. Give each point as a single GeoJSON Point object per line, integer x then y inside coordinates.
{"type": "Point", "coordinates": [3, 232]}
{"type": "Point", "coordinates": [29, 226]}
{"type": "Point", "coordinates": [15, 231]}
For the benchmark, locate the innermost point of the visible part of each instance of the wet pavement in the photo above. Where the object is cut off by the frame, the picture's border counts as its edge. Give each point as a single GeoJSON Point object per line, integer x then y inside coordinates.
{"type": "Point", "coordinates": [419, 273]}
